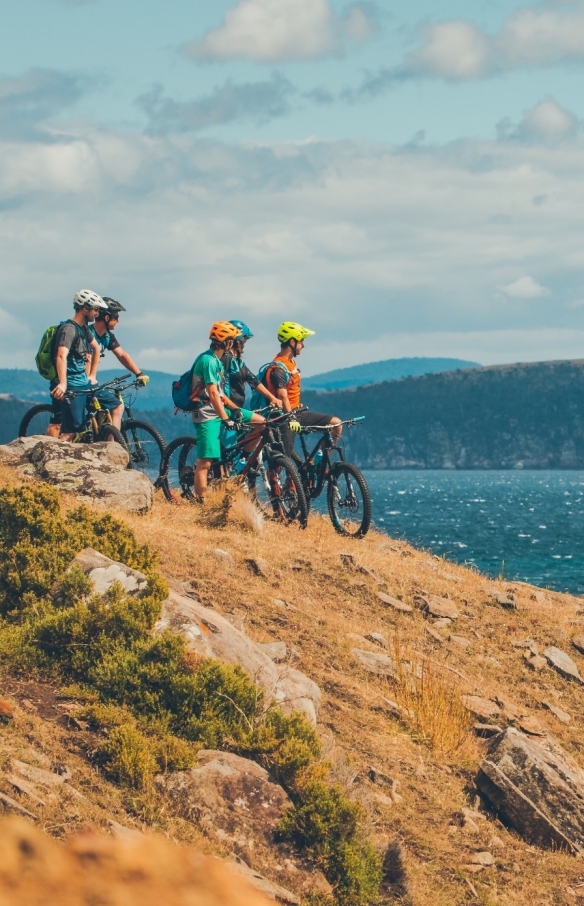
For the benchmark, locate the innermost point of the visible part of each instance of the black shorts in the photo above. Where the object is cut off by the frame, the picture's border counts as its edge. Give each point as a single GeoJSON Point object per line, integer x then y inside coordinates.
{"type": "Point", "coordinates": [307, 419]}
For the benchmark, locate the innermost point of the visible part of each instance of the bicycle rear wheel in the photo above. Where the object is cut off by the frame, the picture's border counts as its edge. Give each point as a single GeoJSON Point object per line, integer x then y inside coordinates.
{"type": "Point", "coordinates": [279, 492]}
{"type": "Point", "coordinates": [36, 420]}
{"type": "Point", "coordinates": [177, 470]}
{"type": "Point", "coordinates": [349, 501]}
{"type": "Point", "coordinates": [109, 432]}
{"type": "Point", "coordinates": [146, 446]}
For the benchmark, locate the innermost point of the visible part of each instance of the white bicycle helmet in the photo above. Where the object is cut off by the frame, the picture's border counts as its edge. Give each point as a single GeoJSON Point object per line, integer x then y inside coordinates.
{"type": "Point", "coordinates": [85, 298]}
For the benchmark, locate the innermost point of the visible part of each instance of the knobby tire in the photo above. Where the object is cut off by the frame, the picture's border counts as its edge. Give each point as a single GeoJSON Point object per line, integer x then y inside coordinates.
{"type": "Point", "coordinates": [30, 415]}
{"type": "Point", "coordinates": [353, 483]}
{"type": "Point", "coordinates": [144, 453]}
{"type": "Point", "coordinates": [287, 499]}
{"type": "Point", "coordinates": [187, 442]}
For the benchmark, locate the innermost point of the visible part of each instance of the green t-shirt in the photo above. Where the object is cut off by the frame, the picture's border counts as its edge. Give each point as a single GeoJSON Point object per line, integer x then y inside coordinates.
{"type": "Point", "coordinates": [208, 369]}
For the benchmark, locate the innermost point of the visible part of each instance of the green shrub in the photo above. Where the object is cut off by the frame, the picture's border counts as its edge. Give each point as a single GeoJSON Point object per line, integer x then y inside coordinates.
{"type": "Point", "coordinates": [141, 692]}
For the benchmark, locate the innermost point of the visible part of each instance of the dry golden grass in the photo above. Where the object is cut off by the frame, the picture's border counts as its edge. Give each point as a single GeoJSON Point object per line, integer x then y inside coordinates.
{"type": "Point", "coordinates": [429, 700]}
{"type": "Point", "coordinates": [334, 605]}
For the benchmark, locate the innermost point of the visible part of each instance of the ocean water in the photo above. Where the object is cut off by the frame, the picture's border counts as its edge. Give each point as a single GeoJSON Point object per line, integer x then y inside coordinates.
{"type": "Point", "coordinates": [526, 525]}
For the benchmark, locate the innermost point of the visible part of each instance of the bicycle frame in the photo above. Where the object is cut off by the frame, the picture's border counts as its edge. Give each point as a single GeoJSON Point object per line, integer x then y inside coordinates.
{"type": "Point", "coordinates": [315, 481]}
{"type": "Point", "coordinates": [96, 414]}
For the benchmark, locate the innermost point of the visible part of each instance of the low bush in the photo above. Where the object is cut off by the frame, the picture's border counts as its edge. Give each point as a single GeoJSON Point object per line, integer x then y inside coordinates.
{"type": "Point", "coordinates": [155, 705]}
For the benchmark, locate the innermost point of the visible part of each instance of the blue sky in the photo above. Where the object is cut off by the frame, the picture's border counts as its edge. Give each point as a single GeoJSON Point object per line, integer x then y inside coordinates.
{"type": "Point", "coordinates": [407, 180]}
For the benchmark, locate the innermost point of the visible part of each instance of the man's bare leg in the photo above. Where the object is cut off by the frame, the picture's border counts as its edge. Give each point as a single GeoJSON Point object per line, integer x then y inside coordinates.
{"type": "Point", "coordinates": [201, 477]}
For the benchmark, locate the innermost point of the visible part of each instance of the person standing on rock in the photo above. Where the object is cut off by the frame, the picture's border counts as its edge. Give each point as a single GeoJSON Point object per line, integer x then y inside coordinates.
{"type": "Point", "coordinates": [282, 378]}
{"type": "Point", "coordinates": [76, 357]}
{"type": "Point", "coordinates": [208, 393]}
{"type": "Point", "coordinates": [102, 330]}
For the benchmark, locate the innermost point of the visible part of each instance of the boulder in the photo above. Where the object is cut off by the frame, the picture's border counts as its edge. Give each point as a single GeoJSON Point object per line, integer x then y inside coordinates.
{"type": "Point", "coordinates": [103, 572]}
{"type": "Point", "coordinates": [271, 890]}
{"type": "Point", "coordinates": [563, 664]}
{"type": "Point", "coordinates": [231, 796]}
{"type": "Point", "coordinates": [483, 708]}
{"type": "Point", "coordinates": [578, 643]}
{"type": "Point", "coordinates": [211, 635]}
{"type": "Point", "coordinates": [95, 473]}
{"type": "Point", "coordinates": [561, 715]}
{"type": "Point", "coordinates": [441, 607]}
{"type": "Point", "coordinates": [276, 651]}
{"type": "Point", "coordinates": [394, 603]}
{"type": "Point", "coordinates": [379, 664]}
{"type": "Point", "coordinates": [536, 788]}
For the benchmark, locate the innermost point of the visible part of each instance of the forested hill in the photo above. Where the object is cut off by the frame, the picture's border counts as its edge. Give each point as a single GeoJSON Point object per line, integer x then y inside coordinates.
{"type": "Point", "coordinates": [388, 370]}
{"type": "Point", "coordinates": [500, 417]}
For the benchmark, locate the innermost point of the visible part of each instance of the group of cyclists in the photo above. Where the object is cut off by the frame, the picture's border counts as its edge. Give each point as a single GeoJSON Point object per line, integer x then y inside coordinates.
{"type": "Point", "coordinates": [218, 380]}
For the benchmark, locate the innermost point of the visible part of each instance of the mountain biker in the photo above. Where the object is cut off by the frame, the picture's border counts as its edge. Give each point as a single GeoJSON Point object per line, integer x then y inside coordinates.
{"type": "Point", "coordinates": [208, 392]}
{"type": "Point", "coordinates": [76, 355]}
{"type": "Point", "coordinates": [237, 375]}
{"type": "Point", "coordinates": [283, 380]}
{"type": "Point", "coordinates": [102, 330]}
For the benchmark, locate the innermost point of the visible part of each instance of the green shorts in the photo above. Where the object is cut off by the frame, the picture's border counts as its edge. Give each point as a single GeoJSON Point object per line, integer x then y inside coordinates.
{"type": "Point", "coordinates": [209, 434]}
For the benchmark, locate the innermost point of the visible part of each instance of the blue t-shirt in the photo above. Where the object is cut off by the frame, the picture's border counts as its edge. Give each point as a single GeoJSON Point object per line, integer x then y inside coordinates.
{"type": "Point", "coordinates": [107, 341]}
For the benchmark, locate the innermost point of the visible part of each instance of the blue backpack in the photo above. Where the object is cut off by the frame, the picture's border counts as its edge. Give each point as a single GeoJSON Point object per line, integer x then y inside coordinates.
{"type": "Point", "coordinates": [182, 391]}
{"type": "Point", "coordinates": [257, 400]}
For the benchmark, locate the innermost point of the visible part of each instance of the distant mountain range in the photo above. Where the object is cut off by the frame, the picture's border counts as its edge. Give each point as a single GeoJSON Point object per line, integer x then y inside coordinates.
{"type": "Point", "coordinates": [388, 370]}
{"type": "Point", "coordinates": [502, 417]}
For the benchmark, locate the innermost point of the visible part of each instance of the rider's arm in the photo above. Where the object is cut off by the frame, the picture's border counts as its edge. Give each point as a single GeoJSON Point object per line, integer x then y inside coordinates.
{"type": "Point", "coordinates": [126, 360]}
{"type": "Point", "coordinates": [61, 368]}
{"type": "Point", "coordinates": [283, 395]}
{"type": "Point", "coordinates": [94, 361]}
{"type": "Point", "coordinates": [216, 401]}
{"type": "Point", "coordinates": [269, 396]}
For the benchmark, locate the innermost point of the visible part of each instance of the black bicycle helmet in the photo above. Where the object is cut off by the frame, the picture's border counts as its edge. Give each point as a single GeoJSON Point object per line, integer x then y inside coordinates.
{"type": "Point", "coordinates": [113, 307]}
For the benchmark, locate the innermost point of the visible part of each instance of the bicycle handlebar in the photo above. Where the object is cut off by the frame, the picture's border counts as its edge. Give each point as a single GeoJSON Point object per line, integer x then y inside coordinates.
{"type": "Point", "coordinates": [95, 388]}
{"type": "Point", "coordinates": [312, 429]}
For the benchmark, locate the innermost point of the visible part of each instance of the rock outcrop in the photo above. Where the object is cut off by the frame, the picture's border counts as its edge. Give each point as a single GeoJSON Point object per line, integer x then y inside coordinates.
{"type": "Point", "coordinates": [210, 635]}
{"type": "Point", "coordinates": [95, 473]}
{"type": "Point", "coordinates": [536, 788]}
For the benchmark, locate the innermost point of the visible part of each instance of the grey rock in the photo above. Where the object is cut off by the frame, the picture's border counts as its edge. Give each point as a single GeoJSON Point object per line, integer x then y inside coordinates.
{"type": "Point", "coordinates": [17, 452]}
{"type": "Point", "coordinates": [103, 572]}
{"type": "Point", "coordinates": [441, 607]}
{"type": "Point", "coordinates": [578, 643]}
{"type": "Point", "coordinates": [11, 805]}
{"type": "Point", "coordinates": [95, 473]}
{"type": "Point", "coordinates": [257, 566]}
{"type": "Point", "coordinates": [394, 603]}
{"type": "Point", "coordinates": [232, 796]}
{"type": "Point", "coordinates": [506, 601]}
{"type": "Point", "coordinates": [482, 708]}
{"type": "Point", "coordinates": [380, 664]}
{"type": "Point", "coordinates": [435, 635]}
{"type": "Point", "coordinates": [563, 664]}
{"type": "Point", "coordinates": [487, 731]}
{"type": "Point", "coordinates": [485, 859]}
{"type": "Point", "coordinates": [211, 635]}
{"type": "Point", "coordinates": [378, 639]}
{"type": "Point", "coordinates": [276, 651]}
{"type": "Point", "coordinates": [459, 640]}
{"type": "Point", "coordinates": [443, 623]}
{"type": "Point", "coordinates": [561, 715]}
{"type": "Point", "coordinates": [536, 788]}
{"type": "Point", "coordinates": [535, 662]}
{"type": "Point", "coordinates": [531, 726]}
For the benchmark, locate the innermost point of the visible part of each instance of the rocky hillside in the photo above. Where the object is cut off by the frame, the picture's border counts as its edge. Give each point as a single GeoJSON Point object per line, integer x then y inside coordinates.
{"type": "Point", "coordinates": [503, 417]}
{"type": "Point", "coordinates": [448, 706]}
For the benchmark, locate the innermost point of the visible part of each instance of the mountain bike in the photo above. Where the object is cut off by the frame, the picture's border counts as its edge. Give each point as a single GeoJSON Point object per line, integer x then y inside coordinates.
{"type": "Point", "coordinates": [144, 444]}
{"type": "Point", "coordinates": [264, 471]}
{"type": "Point", "coordinates": [348, 497]}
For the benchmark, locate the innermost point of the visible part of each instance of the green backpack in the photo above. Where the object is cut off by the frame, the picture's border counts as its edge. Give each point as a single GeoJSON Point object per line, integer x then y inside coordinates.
{"type": "Point", "coordinates": [44, 357]}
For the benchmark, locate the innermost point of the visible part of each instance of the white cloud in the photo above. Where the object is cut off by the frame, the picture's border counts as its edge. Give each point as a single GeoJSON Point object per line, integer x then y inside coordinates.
{"type": "Point", "coordinates": [547, 122]}
{"type": "Point", "coordinates": [459, 50]}
{"type": "Point", "coordinates": [525, 288]}
{"type": "Point", "coordinates": [383, 251]}
{"type": "Point", "coordinates": [272, 31]}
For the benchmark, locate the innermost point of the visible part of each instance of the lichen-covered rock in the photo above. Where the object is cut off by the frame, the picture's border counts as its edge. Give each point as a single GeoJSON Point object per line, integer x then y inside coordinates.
{"type": "Point", "coordinates": [103, 572]}
{"type": "Point", "coordinates": [563, 664]}
{"type": "Point", "coordinates": [536, 788]}
{"type": "Point", "coordinates": [95, 473]}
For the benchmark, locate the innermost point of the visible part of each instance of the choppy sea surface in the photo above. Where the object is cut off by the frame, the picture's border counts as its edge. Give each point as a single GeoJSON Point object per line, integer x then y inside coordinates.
{"type": "Point", "coordinates": [526, 525]}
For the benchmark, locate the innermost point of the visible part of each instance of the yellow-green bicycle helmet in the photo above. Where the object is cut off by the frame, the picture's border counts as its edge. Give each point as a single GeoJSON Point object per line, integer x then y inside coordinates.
{"type": "Point", "coordinates": [290, 330]}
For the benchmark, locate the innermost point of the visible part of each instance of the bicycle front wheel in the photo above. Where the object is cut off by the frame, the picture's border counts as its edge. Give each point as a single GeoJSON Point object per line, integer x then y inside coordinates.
{"type": "Point", "coordinates": [279, 492]}
{"type": "Point", "coordinates": [349, 500]}
{"type": "Point", "coordinates": [177, 470]}
{"type": "Point", "coordinates": [146, 446]}
{"type": "Point", "coordinates": [36, 420]}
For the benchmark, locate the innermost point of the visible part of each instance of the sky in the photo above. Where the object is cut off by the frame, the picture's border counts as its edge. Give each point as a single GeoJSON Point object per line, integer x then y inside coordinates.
{"type": "Point", "coordinates": [404, 179]}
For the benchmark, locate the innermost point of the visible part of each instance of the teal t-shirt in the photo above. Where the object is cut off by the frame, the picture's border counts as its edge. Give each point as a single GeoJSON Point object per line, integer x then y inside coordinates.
{"type": "Point", "coordinates": [107, 341]}
{"type": "Point", "coordinates": [207, 369]}
{"type": "Point", "coordinates": [77, 340]}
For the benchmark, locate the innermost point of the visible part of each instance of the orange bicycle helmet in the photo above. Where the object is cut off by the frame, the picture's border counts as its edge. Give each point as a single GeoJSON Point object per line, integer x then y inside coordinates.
{"type": "Point", "coordinates": [222, 331]}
